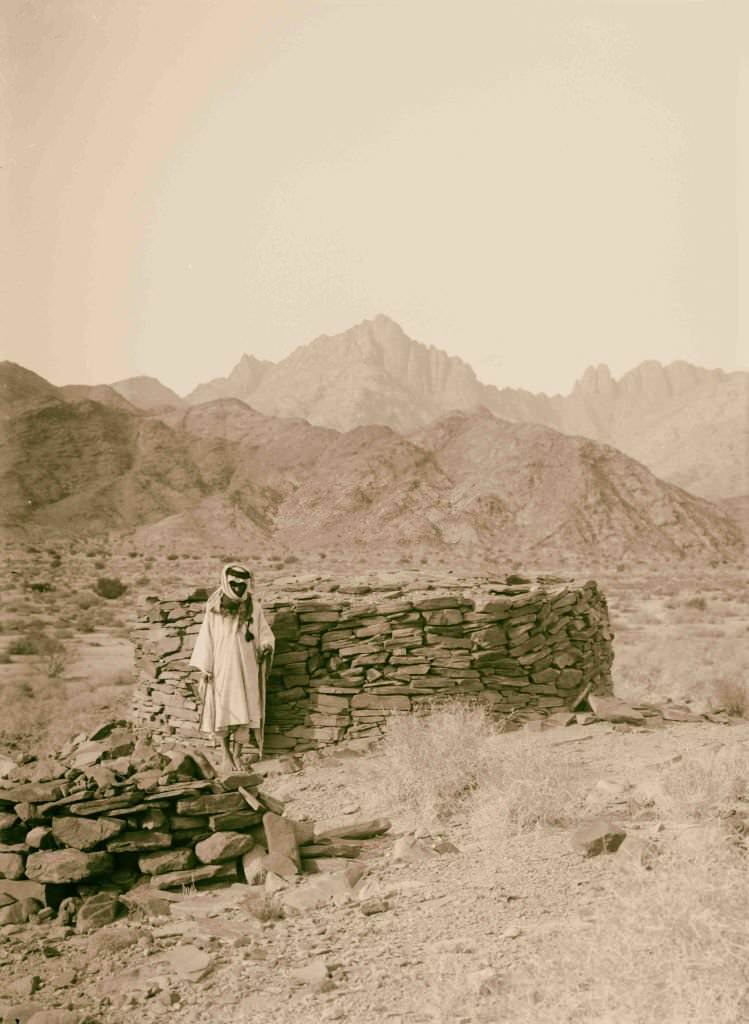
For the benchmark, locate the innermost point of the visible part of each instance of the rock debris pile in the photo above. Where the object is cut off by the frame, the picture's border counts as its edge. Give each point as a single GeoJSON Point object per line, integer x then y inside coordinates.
{"type": "Point", "coordinates": [112, 824]}
{"type": "Point", "coordinates": [351, 654]}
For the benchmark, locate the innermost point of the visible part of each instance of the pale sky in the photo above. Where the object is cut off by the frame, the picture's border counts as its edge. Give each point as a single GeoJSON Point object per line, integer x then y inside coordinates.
{"type": "Point", "coordinates": [533, 185]}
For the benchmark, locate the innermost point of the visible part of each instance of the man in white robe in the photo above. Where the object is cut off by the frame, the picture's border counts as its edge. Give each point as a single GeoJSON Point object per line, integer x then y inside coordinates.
{"type": "Point", "coordinates": [233, 651]}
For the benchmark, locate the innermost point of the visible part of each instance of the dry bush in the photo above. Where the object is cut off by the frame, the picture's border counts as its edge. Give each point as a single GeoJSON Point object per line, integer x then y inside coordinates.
{"type": "Point", "coordinates": [732, 694]}
{"type": "Point", "coordinates": [41, 714]}
{"type": "Point", "coordinates": [430, 761]}
{"type": "Point", "coordinates": [707, 784]}
{"type": "Point", "coordinates": [525, 785]}
{"type": "Point", "coordinates": [669, 945]}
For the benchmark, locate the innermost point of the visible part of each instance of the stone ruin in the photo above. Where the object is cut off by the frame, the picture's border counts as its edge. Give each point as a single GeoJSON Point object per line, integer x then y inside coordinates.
{"type": "Point", "coordinates": [124, 817]}
{"type": "Point", "coordinates": [350, 654]}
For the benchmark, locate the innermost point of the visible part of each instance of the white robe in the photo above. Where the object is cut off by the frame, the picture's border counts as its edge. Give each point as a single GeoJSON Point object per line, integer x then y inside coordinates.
{"type": "Point", "coordinates": [235, 695]}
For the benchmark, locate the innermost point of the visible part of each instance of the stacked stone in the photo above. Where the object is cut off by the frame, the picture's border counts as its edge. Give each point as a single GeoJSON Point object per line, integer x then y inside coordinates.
{"type": "Point", "coordinates": [111, 821]}
{"type": "Point", "coordinates": [350, 655]}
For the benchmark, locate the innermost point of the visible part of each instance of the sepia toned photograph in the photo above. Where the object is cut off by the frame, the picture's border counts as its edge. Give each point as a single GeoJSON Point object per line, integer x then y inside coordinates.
{"type": "Point", "coordinates": [374, 507]}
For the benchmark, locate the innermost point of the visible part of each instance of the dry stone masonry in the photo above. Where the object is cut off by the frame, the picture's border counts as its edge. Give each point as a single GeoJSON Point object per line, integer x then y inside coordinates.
{"type": "Point", "coordinates": [351, 654]}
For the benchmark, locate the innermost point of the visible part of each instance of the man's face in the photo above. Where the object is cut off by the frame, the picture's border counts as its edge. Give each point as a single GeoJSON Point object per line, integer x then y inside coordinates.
{"type": "Point", "coordinates": [238, 582]}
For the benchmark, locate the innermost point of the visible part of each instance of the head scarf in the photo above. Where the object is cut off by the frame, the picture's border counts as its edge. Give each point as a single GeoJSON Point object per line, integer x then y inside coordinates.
{"type": "Point", "coordinates": [224, 601]}
{"type": "Point", "coordinates": [233, 568]}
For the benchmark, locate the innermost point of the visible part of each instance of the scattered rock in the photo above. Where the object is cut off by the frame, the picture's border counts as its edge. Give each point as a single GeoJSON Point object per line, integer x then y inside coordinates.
{"type": "Point", "coordinates": [188, 962]}
{"type": "Point", "coordinates": [24, 987]}
{"type": "Point", "coordinates": [410, 850]}
{"type": "Point", "coordinates": [374, 905]}
{"type": "Point", "coordinates": [598, 836]}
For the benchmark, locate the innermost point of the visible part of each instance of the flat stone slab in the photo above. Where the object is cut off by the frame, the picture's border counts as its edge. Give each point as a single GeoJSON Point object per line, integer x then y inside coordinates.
{"type": "Point", "coordinates": [85, 833]}
{"type": "Point", "coordinates": [281, 838]}
{"type": "Point", "coordinates": [223, 846]}
{"type": "Point", "coordinates": [111, 803]}
{"type": "Point", "coordinates": [206, 873]}
{"type": "Point", "coordinates": [611, 709]}
{"type": "Point", "coordinates": [32, 793]}
{"type": "Point", "coordinates": [361, 829]}
{"type": "Point", "coordinates": [66, 865]}
{"type": "Point", "coordinates": [142, 839]}
{"type": "Point", "coordinates": [216, 803]}
{"type": "Point", "coordinates": [162, 861]}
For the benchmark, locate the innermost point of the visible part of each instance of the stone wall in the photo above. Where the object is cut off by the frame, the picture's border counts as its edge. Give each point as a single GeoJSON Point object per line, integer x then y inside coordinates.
{"type": "Point", "coordinates": [351, 654]}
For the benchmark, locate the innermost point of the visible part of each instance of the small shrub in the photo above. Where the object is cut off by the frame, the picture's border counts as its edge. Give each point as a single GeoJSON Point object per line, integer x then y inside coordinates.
{"type": "Point", "coordinates": [24, 645]}
{"type": "Point", "coordinates": [696, 602]}
{"type": "Point", "coordinates": [98, 564]}
{"type": "Point", "coordinates": [5, 658]}
{"type": "Point", "coordinates": [110, 588]}
{"type": "Point", "coordinates": [172, 558]}
{"type": "Point", "coordinates": [431, 761]}
{"type": "Point", "coordinates": [732, 694]}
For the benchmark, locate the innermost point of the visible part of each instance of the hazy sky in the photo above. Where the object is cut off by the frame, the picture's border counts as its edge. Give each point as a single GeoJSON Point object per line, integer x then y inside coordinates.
{"type": "Point", "coordinates": [534, 186]}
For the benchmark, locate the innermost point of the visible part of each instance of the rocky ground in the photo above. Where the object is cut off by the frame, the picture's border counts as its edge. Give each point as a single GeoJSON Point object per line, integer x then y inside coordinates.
{"type": "Point", "coordinates": [430, 922]}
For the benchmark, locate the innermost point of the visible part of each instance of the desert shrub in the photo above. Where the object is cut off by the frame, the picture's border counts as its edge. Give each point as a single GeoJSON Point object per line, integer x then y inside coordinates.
{"type": "Point", "coordinates": [430, 761]}
{"type": "Point", "coordinates": [705, 785]}
{"type": "Point", "coordinates": [111, 588]}
{"type": "Point", "coordinates": [24, 645]}
{"type": "Point", "coordinates": [732, 694]}
{"type": "Point", "coordinates": [142, 581]}
{"type": "Point", "coordinates": [696, 602]}
{"type": "Point", "coordinates": [291, 560]}
{"type": "Point", "coordinates": [98, 564]}
{"type": "Point", "coordinates": [132, 554]}
{"type": "Point", "coordinates": [525, 786]}
{"type": "Point", "coordinates": [172, 557]}
{"type": "Point", "coordinates": [5, 658]}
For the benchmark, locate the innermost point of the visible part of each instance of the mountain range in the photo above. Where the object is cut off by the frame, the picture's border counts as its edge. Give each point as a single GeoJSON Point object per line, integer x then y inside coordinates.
{"type": "Point", "coordinates": [687, 424]}
{"type": "Point", "coordinates": [222, 474]}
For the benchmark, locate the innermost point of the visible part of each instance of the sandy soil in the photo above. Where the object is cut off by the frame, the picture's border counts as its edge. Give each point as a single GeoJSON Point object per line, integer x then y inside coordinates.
{"type": "Point", "coordinates": [451, 927]}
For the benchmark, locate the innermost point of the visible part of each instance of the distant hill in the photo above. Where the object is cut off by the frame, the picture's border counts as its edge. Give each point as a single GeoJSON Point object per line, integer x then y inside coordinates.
{"type": "Point", "coordinates": [96, 393]}
{"type": "Point", "coordinates": [687, 424]}
{"type": "Point", "coordinates": [241, 383]}
{"type": "Point", "coordinates": [219, 471]}
{"type": "Point", "coordinates": [148, 393]}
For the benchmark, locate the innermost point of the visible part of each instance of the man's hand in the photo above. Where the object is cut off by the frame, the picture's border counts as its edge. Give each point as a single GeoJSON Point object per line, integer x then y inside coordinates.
{"type": "Point", "coordinates": [266, 650]}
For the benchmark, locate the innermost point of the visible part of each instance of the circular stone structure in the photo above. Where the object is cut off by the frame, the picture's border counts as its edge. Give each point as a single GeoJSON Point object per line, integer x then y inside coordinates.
{"type": "Point", "coordinates": [352, 652]}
